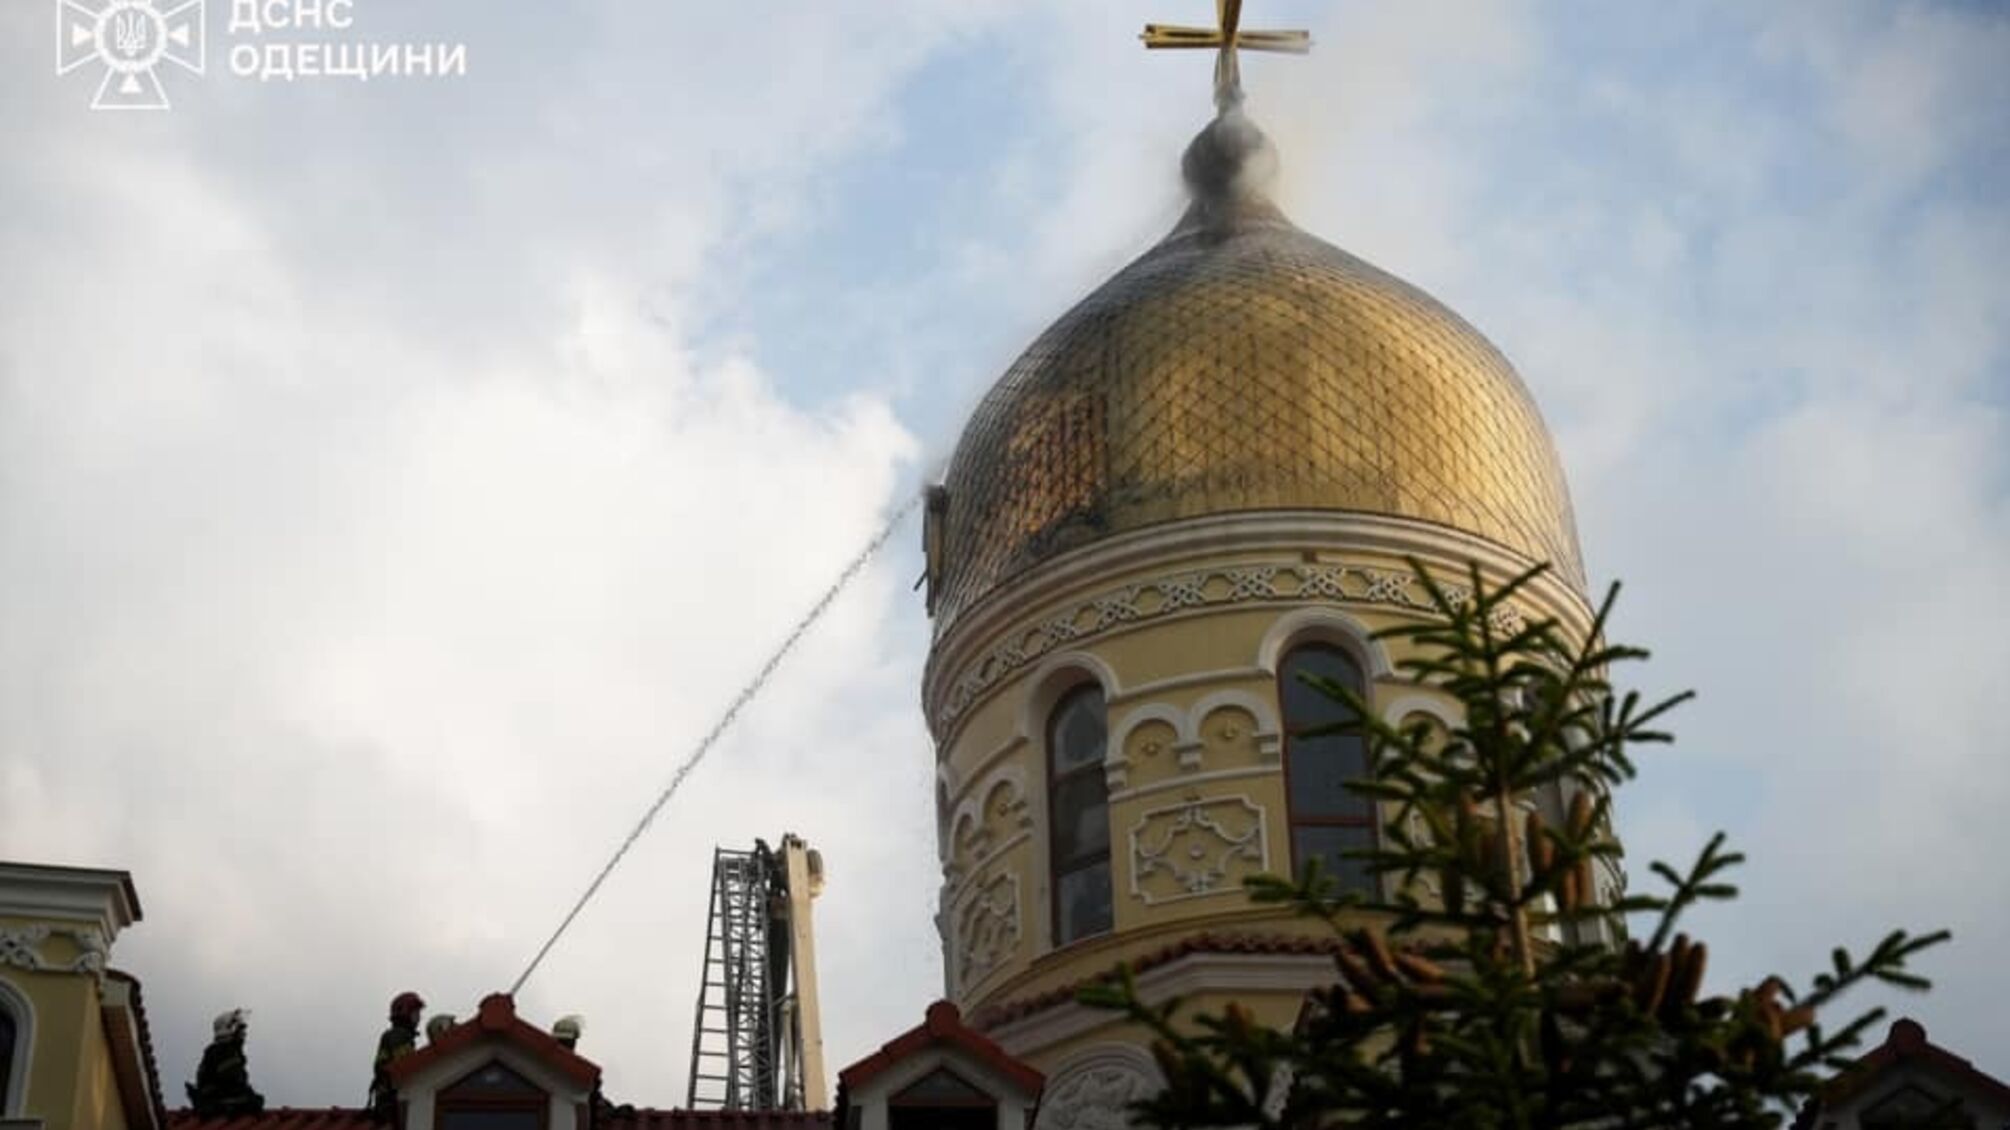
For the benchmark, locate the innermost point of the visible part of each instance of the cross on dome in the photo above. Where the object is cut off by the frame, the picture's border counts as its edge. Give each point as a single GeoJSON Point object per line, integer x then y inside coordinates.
{"type": "Point", "coordinates": [1226, 37]}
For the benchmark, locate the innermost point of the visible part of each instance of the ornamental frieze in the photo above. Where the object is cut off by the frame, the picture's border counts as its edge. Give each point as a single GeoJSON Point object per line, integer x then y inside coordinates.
{"type": "Point", "coordinates": [1215, 586]}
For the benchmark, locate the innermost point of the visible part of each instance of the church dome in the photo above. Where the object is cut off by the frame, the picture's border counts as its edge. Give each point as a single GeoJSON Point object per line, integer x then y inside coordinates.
{"type": "Point", "coordinates": [1244, 365]}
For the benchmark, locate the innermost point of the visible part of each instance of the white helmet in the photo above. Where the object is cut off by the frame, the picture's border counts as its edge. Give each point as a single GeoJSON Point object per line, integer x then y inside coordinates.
{"type": "Point", "coordinates": [569, 1029]}
{"type": "Point", "coordinates": [438, 1026]}
{"type": "Point", "coordinates": [230, 1023]}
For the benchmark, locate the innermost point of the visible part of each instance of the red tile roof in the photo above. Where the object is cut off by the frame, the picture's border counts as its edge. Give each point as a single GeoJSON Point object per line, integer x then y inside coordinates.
{"type": "Point", "coordinates": [147, 1087]}
{"type": "Point", "coordinates": [624, 1119]}
{"type": "Point", "coordinates": [943, 1025]}
{"type": "Point", "coordinates": [282, 1118]}
{"type": "Point", "coordinates": [619, 1118]}
{"type": "Point", "coordinates": [497, 1017]}
{"type": "Point", "coordinates": [1907, 1043]}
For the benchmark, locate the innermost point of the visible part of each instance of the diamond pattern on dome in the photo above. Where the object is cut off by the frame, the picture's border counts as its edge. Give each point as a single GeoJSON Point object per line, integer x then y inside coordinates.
{"type": "Point", "coordinates": [1256, 369]}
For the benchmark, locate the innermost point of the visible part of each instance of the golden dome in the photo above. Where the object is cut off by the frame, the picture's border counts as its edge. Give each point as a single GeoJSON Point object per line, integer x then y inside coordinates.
{"type": "Point", "coordinates": [1242, 364]}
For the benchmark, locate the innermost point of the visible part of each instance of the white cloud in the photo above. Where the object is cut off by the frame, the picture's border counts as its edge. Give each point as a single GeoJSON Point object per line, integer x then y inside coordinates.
{"type": "Point", "coordinates": [385, 504]}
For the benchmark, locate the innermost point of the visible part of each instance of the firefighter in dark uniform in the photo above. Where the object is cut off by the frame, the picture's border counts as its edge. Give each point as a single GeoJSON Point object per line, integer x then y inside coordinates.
{"type": "Point", "coordinates": [401, 1038]}
{"type": "Point", "coordinates": [222, 1084]}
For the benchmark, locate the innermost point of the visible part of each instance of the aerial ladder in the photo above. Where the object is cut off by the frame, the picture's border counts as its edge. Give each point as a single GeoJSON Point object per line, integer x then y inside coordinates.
{"type": "Point", "coordinates": [757, 1038]}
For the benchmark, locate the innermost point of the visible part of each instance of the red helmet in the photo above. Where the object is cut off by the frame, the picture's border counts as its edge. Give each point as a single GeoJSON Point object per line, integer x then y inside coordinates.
{"type": "Point", "coordinates": [406, 1004]}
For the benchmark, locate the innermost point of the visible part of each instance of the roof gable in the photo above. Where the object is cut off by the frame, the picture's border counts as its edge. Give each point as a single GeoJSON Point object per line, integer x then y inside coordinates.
{"type": "Point", "coordinates": [942, 1028]}
{"type": "Point", "coordinates": [496, 1023]}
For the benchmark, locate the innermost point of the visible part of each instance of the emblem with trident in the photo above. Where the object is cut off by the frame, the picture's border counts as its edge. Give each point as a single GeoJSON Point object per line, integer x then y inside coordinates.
{"type": "Point", "coordinates": [129, 38]}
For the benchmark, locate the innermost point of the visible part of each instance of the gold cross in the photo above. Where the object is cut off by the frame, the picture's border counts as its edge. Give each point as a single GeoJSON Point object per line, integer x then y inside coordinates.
{"type": "Point", "coordinates": [1226, 37]}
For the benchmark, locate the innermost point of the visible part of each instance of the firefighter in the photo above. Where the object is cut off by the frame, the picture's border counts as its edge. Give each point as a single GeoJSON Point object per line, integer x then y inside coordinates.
{"type": "Point", "coordinates": [222, 1086]}
{"type": "Point", "coordinates": [401, 1038]}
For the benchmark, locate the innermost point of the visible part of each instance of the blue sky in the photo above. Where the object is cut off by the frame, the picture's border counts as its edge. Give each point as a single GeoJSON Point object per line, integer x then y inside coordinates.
{"type": "Point", "coordinates": [395, 478]}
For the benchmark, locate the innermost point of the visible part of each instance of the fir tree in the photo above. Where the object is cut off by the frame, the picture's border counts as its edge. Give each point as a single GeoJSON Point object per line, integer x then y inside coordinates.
{"type": "Point", "coordinates": [1489, 985]}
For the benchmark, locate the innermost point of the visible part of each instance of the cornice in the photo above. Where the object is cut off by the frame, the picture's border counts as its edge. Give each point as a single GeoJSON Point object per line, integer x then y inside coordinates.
{"type": "Point", "coordinates": [101, 899]}
{"type": "Point", "coordinates": [1200, 566]}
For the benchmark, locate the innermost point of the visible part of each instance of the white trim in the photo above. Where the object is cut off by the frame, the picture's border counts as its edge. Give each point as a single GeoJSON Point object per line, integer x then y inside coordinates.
{"type": "Point", "coordinates": [1189, 780]}
{"type": "Point", "coordinates": [1002, 751]}
{"type": "Point", "coordinates": [102, 899]}
{"type": "Point", "coordinates": [1051, 680]}
{"type": "Point", "coordinates": [1015, 1106]}
{"type": "Point", "coordinates": [1196, 679]}
{"type": "Point", "coordinates": [1290, 974]}
{"type": "Point", "coordinates": [1340, 536]}
{"type": "Point", "coordinates": [562, 1098]}
{"type": "Point", "coordinates": [1117, 763]}
{"type": "Point", "coordinates": [1269, 733]}
{"type": "Point", "coordinates": [1406, 705]}
{"type": "Point", "coordinates": [1323, 625]}
{"type": "Point", "coordinates": [14, 1001]}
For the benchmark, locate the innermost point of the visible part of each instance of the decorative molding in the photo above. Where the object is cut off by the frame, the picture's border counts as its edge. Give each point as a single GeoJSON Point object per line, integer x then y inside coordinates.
{"type": "Point", "coordinates": [987, 929]}
{"type": "Point", "coordinates": [22, 947]}
{"type": "Point", "coordinates": [1269, 732]}
{"type": "Point", "coordinates": [1330, 625]}
{"type": "Point", "coordinates": [1055, 676]}
{"type": "Point", "coordinates": [1289, 975]}
{"type": "Point", "coordinates": [1401, 708]}
{"type": "Point", "coordinates": [968, 659]}
{"type": "Point", "coordinates": [1158, 688]}
{"type": "Point", "coordinates": [1201, 588]}
{"type": "Point", "coordinates": [1190, 780]}
{"type": "Point", "coordinates": [1197, 844]}
{"type": "Point", "coordinates": [1117, 763]}
{"type": "Point", "coordinates": [970, 824]}
{"type": "Point", "coordinates": [1093, 1090]}
{"type": "Point", "coordinates": [957, 879]}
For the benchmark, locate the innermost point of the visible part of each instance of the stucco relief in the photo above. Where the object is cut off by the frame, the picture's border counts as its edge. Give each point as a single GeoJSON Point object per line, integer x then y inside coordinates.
{"type": "Point", "coordinates": [987, 928]}
{"type": "Point", "coordinates": [1202, 846]}
{"type": "Point", "coordinates": [23, 947]}
{"type": "Point", "coordinates": [1228, 737]}
{"type": "Point", "coordinates": [1150, 753]}
{"type": "Point", "coordinates": [1095, 1090]}
{"type": "Point", "coordinates": [990, 819]}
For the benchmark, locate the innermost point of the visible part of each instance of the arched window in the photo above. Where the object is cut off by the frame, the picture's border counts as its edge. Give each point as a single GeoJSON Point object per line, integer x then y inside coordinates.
{"type": "Point", "coordinates": [1078, 815]}
{"type": "Point", "coordinates": [1327, 817]}
{"type": "Point", "coordinates": [8, 1035]}
{"type": "Point", "coordinates": [17, 1043]}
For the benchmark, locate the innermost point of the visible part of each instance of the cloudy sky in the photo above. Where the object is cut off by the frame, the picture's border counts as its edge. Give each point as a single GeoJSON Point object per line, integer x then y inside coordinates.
{"type": "Point", "coordinates": [397, 477]}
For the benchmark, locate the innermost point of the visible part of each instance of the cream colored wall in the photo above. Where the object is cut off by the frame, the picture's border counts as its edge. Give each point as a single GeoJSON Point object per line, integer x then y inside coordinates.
{"type": "Point", "coordinates": [70, 1080]}
{"type": "Point", "coordinates": [1193, 721]}
{"type": "Point", "coordinates": [97, 1100]}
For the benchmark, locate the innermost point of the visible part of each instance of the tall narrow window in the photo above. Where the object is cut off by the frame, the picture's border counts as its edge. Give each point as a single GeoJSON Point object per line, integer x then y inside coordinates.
{"type": "Point", "coordinates": [7, 1038]}
{"type": "Point", "coordinates": [1078, 816]}
{"type": "Point", "coordinates": [1327, 817]}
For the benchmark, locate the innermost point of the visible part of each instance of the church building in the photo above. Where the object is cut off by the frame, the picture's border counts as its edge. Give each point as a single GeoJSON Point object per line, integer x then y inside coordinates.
{"type": "Point", "coordinates": [1201, 483]}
